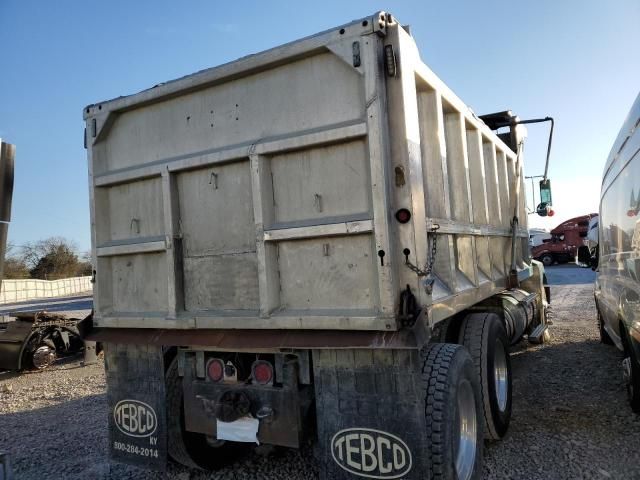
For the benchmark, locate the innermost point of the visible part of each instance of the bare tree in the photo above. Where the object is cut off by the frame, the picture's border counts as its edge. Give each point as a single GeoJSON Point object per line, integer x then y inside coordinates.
{"type": "Point", "coordinates": [15, 268]}
{"type": "Point", "coordinates": [52, 258]}
{"type": "Point", "coordinates": [32, 252]}
{"type": "Point", "coordinates": [85, 268]}
{"type": "Point", "coordinates": [48, 259]}
{"type": "Point", "coordinates": [14, 265]}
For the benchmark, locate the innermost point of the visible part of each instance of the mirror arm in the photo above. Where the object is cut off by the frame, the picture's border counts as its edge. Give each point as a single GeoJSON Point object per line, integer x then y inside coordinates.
{"type": "Point", "coordinates": [516, 121]}
{"type": "Point", "coordinates": [541, 120]}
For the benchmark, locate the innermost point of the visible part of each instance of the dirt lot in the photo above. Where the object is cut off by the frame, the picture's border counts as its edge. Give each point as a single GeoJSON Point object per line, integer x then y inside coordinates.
{"type": "Point", "coordinates": [570, 417]}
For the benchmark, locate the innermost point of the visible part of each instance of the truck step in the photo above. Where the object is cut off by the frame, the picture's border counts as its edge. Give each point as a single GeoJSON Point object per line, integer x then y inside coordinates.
{"type": "Point", "coordinates": [540, 334]}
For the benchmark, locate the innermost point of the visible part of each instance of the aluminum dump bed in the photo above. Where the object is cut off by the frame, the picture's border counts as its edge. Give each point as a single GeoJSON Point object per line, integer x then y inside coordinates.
{"type": "Point", "coordinates": [266, 193]}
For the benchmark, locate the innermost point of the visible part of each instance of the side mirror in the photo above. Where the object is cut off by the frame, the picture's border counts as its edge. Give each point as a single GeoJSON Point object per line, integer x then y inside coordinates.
{"type": "Point", "coordinates": [544, 207]}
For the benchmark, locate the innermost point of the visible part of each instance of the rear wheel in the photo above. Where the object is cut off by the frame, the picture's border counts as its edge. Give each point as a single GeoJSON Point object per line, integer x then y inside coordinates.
{"type": "Point", "coordinates": [43, 356]}
{"type": "Point", "coordinates": [191, 449]}
{"type": "Point", "coordinates": [39, 354]}
{"type": "Point", "coordinates": [485, 337]}
{"type": "Point", "coordinates": [452, 413]}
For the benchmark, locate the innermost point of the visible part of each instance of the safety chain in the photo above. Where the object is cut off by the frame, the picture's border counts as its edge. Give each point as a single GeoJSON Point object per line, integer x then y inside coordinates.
{"type": "Point", "coordinates": [428, 268]}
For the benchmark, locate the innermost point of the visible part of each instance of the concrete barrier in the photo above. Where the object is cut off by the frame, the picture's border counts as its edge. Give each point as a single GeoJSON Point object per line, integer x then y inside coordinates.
{"type": "Point", "coordinates": [29, 289]}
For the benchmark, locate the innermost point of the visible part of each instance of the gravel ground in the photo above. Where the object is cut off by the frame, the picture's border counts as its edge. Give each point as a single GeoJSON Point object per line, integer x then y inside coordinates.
{"type": "Point", "coordinates": [570, 416]}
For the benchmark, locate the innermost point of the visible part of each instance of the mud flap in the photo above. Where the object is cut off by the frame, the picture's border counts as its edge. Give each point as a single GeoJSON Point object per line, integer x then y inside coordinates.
{"type": "Point", "coordinates": [371, 414]}
{"type": "Point", "coordinates": [136, 398]}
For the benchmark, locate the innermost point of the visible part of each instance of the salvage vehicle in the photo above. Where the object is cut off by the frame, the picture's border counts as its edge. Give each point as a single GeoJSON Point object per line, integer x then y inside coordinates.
{"type": "Point", "coordinates": [30, 340]}
{"type": "Point", "coordinates": [617, 284]}
{"type": "Point", "coordinates": [317, 241]}
{"type": "Point", "coordinates": [566, 238]}
{"type": "Point", "coordinates": [537, 236]}
{"type": "Point", "coordinates": [34, 340]}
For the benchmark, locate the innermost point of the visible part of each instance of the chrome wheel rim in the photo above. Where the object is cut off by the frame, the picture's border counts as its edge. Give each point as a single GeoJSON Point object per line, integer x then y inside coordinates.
{"type": "Point", "coordinates": [501, 375]}
{"type": "Point", "coordinates": [467, 429]}
{"type": "Point", "coordinates": [43, 357]}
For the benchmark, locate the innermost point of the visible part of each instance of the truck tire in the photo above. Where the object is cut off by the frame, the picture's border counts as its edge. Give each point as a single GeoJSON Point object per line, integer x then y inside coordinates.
{"type": "Point", "coordinates": [452, 413]}
{"type": "Point", "coordinates": [188, 448]}
{"type": "Point", "coordinates": [176, 445]}
{"type": "Point", "coordinates": [547, 259]}
{"type": "Point", "coordinates": [484, 335]}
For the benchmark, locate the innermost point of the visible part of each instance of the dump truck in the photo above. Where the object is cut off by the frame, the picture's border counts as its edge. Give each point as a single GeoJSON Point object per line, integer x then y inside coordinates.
{"type": "Point", "coordinates": [320, 242]}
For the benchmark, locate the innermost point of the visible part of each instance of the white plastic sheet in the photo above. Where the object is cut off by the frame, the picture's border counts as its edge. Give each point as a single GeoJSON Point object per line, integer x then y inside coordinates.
{"type": "Point", "coordinates": [244, 429]}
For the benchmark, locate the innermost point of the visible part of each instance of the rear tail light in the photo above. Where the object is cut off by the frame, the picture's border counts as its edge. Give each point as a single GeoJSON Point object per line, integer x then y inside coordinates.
{"type": "Point", "coordinates": [403, 215]}
{"type": "Point", "coordinates": [262, 372]}
{"type": "Point", "coordinates": [215, 369]}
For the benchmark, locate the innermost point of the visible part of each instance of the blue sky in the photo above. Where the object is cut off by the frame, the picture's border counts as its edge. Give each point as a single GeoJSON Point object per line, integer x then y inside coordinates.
{"type": "Point", "coordinates": [574, 60]}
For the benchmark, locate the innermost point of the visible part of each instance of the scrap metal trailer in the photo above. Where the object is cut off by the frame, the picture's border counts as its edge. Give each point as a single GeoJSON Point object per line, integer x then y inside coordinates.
{"type": "Point", "coordinates": [29, 339]}
{"type": "Point", "coordinates": [317, 241]}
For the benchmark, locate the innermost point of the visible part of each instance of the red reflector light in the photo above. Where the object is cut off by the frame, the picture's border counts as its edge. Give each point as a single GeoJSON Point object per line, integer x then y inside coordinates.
{"type": "Point", "coordinates": [215, 369]}
{"type": "Point", "coordinates": [262, 372]}
{"type": "Point", "coordinates": [403, 215]}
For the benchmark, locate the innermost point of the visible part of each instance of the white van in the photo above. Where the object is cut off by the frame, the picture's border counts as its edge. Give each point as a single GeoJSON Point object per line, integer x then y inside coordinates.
{"type": "Point", "coordinates": [617, 289]}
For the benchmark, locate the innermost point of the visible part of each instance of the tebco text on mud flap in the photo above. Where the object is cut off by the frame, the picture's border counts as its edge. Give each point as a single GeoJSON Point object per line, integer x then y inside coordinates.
{"type": "Point", "coordinates": [135, 418]}
{"type": "Point", "coordinates": [371, 453]}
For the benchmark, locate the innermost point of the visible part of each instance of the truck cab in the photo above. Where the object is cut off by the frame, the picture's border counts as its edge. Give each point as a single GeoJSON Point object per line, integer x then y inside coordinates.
{"type": "Point", "coordinates": [564, 242]}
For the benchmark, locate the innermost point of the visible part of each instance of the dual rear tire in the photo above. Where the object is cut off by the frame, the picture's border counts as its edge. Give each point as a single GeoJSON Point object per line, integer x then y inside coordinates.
{"type": "Point", "coordinates": [467, 396]}
{"type": "Point", "coordinates": [452, 404]}
{"type": "Point", "coordinates": [484, 336]}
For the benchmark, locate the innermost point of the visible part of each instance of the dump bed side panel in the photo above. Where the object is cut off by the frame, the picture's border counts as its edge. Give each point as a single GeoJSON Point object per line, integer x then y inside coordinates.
{"type": "Point", "coordinates": [463, 185]}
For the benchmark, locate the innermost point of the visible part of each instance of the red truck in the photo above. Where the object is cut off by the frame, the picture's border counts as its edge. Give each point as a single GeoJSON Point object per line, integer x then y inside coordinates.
{"type": "Point", "coordinates": [564, 242]}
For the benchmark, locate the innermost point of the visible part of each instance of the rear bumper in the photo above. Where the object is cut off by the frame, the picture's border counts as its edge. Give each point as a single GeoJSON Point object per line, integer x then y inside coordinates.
{"type": "Point", "coordinates": [252, 340]}
{"type": "Point", "coordinates": [281, 410]}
